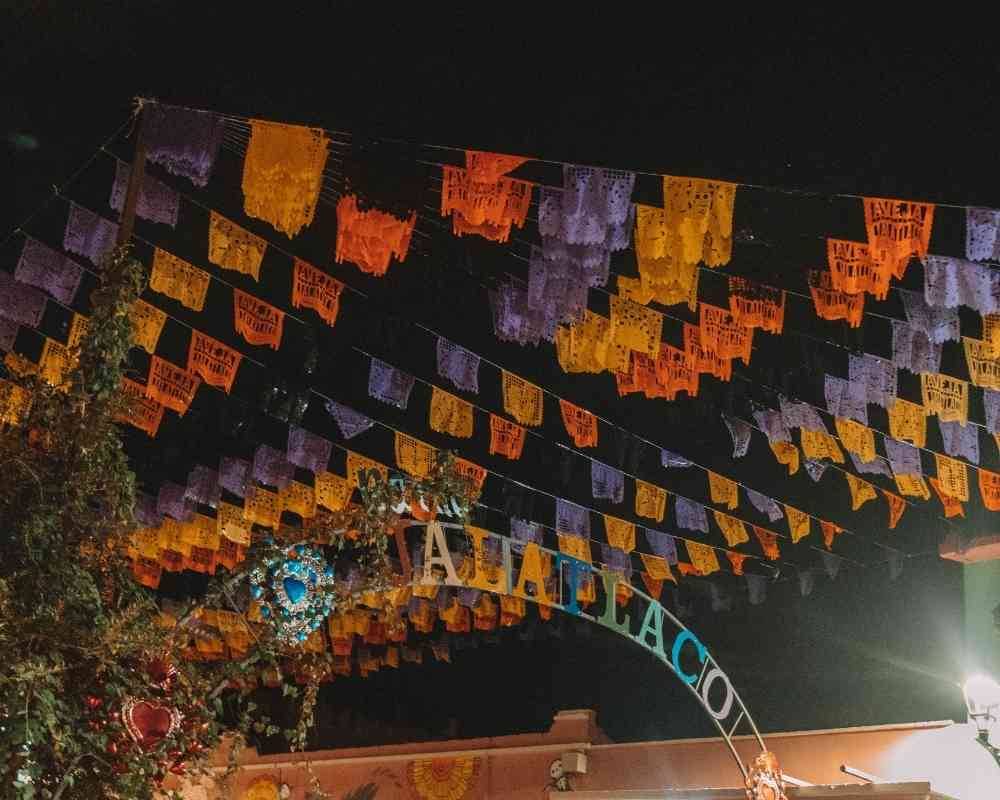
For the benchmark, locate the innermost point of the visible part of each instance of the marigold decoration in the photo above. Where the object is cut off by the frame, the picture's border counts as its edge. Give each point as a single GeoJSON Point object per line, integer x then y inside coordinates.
{"type": "Point", "coordinates": [357, 463]}
{"type": "Point", "coordinates": [580, 424]}
{"type": "Point", "coordinates": [256, 321]}
{"type": "Point", "coordinates": [897, 505]}
{"type": "Point", "coordinates": [313, 288]}
{"type": "Point", "coordinates": [786, 453]}
{"type": "Point", "coordinates": [703, 558]}
{"type": "Point", "coordinates": [620, 533]}
{"type": "Point", "coordinates": [981, 359]}
{"type": "Point", "coordinates": [989, 489]}
{"type": "Point", "coordinates": [723, 490]}
{"type": "Point", "coordinates": [178, 279]}
{"type": "Point", "coordinates": [147, 323]}
{"type": "Point", "coordinates": [861, 491]}
{"type": "Point", "coordinates": [952, 506]}
{"type": "Point", "coordinates": [733, 529]}
{"type": "Point", "coordinates": [765, 780]}
{"type": "Point", "coordinates": [283, 173]}
{"type": "Point", "coordinates": [908, 422]}
{"type": "Point", "coordinates": [952, 477]}
{"type": "Point", "coordinates": [171, 386]}
{"type": "Point", "coordinates": [650, 501]}
{"type": "Point", "coordinates": [768, 543]}
{"type": "Point", "coordinates": [262, 507]}
{"type": "Point", "coordinates": [704, 357]}
{"type": "Point", "coordinates": [897, 230]}
{"type": "Point", "coordinates": [481, 199]}
{"type": "Point", "coordinates": [635, 327]}
{"type": "Point", "coordinates": [912, 486]}
{"type": "Point", "coordinates": [723, 334]}
{"type": "Point", "coordinates": [820, 445]}
{"type": "Point", "coordinates": [140, 411]}
{"type": "Point", "coordinates": [450, 414]}
{"type": "Point", "coordinates": [833, 304]}
{"type": "Point", "coordinates": [442, 778]}
{"type": "Point", "coordinates": [945, 396]}
{"type": "Point", "coordinates": [852, 270]}
{"type": "Point", "coordinates": [371, 239]}
{"type": "Point", "coordinates": [857, 438]}
{"type": "Point", "coordinates": [523, 400]}
{"type": "Point", "coordinates": [294, 591]}
{"type": "Point", "coordinates": [698, 217]}
{"type": "Point", "coordinates": [756, 305]}
{"type": "Point", "coordinates": [15, 402]}
{"type": "Point", "coordinates": [798, 523]}
{"type": "Point", "coordinates": [264, 788]}
{"type": "Point", "coordinates": [413, 456]}
{"type": "Point", "coordinates": [212, 360]}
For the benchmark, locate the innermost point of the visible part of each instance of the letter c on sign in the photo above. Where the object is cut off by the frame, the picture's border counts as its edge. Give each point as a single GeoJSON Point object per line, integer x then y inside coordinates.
{"type": "Point", "coordinates": [675, 654]}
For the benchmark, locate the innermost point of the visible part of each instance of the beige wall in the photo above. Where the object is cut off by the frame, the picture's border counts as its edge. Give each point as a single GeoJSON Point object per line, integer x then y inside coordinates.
{"type": "Point", "coordinates": [518, 766]}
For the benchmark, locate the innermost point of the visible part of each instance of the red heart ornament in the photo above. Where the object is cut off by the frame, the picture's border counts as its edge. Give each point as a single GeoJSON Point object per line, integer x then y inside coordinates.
{"type": "Point", "coordinates": [148, 723]}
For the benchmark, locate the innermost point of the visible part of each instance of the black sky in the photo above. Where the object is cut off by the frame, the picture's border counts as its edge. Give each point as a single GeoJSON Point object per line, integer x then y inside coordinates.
{"type": "Point", "coordinates": [818, 102]}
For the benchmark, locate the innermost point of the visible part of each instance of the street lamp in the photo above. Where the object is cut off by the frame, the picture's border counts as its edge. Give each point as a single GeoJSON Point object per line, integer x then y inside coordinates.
{"type": "Point", "coordinates": [982, 698]}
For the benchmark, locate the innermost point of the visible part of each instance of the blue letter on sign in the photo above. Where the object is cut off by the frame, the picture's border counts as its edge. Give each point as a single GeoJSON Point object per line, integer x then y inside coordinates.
{"type": "Point", "coordinates": [675, 654]}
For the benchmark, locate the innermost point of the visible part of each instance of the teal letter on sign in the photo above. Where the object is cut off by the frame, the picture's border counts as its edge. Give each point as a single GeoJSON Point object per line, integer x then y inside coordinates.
{"type": "Point", "coordinates": [652, 623]}
{"type": "Point", "coordinates": [574, 576]}
{"type": "Point", "coordinates": [675, 654]}
{"type": "Point", "coordinates": [607, 619]}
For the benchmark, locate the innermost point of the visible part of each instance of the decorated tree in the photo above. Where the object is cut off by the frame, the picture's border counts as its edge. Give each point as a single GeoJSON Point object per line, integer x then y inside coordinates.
{"type": "Point", "coordinates": [97, 699]}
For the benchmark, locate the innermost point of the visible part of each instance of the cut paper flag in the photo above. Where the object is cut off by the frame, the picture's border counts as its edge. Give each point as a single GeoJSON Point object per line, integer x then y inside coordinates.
{"type": "Point", "coordinates": [765, 505]}
{"type": "Point", "coordinates": [308, 450]}
{"type": "Point", "coordinates": [736, 561]}
{"type": "Point", "coordinates": [796, 414]}
{"type": "Point", "coordinates": [350, 422]}
{"type": "Point", "coordinates": [877, 375]}
{"type": "Point", "coordinates": [982, 226]}
{"type": "Point", "coordinates": [413, 456]}
{"type": "Point", "coordinates": [650, 501]}
{"type": "Point", "coordinates": [960, 440]}
{"type": "Point", "coordinates": [212, 360]}
{"type": "Point", "coordinates": [952, 505]}
{"type": "Point", "coordinates": [787, 454]}
{"type": "Point", "coordinates": [858, 439]}
{"type": "Point", "coordinates": [389, 384]}
{"type": "Point", "coordinates": [572, 519]}
{"type": "Point", "coordinates": [283, 173]}
{"type": "Point", "coordinates": [723, 491]}
{"type": "Point", "coordinates": [830, 532]}
{"type": "Point", "coordinates": [15, 402]}
{"type": "Point", "coordinates": [234, 248]}
{"type": "Point", "coordinates": [937, 324]}
{"type": "Point", "coordinates": [912, 350]}
{"type": "Point", "coordinates": [897, 230]}
{"type": "Point", "coordinates": [768, 543]}
{"type": "Point", "coordinates": [140, 411]}
{"type": "Point", "coordinates": [458, 365]}
{"type": "Point", "coordinates": [657, 568]}
{"type": "Point", "coordinates": [183, 141]}
{"type": "Point", "coordinates": [481, 199]}
{"type": "Point", "coordinates": [945, 396]}
{"type": "Point", "coordinates": [147, 324]}
{"type": "Point", "coordinates": [178, 279]}
{"type": "Point", "coordinates": [89, 235]}
{"type": "Point", "coordinates": [815, 470]}
{"type": "Point", "coordinates": [20, 303]}
{"type": "Point", "coordinates": [691, 516]}
{"type": "Point", "coordinates": [662, 544]}
{"type": "Point", "coordinates": [8, 333]}
{"type": "Point", "coordinates": [952, 477]}
{"type": "Point", "coordinates": [48, 269]}
{"type": "Point", "coordinates": [989, 489]}
{"type": "Point", "coordinates": [819, 446]}
{"type": "Point", "coordinates": [170, 502]}
{"type": "Point", "coordinates": [233, 474]}
{"type": "Point", "coordinates": [861, 491]}
{"type": "Point", "coordinates": [798, 523]}
{"type": "Point", "coordinates": [733, 529]}
{"type": "Point", "coordinates": [774, 425]}
{"type": "Point", "coordinates": [358, 464]}
{"type": "Point", "coordinates": [877, 466]}
{"type": "Point", "coordinates": [846, 399]}
{"type": "Point", "coordinates": [156, 202]}
{"type": "Point", "coordinates": [523, 400]}
{"type": "Point", "coordinates": [908, 422]}
{"type": "Point", "coordinates": [723, 334]}
{"type": "Point", "coordinates": [506, 437]}
{"type": "Point", "coordinates": [698, 218]}
{"type": "Point", "coordinates": [606, 482]}
{"type": "Point", "coordinates": [635, 327]}
{"type": "Point", "coordinates": [450, 414]}
{"type": "Point", "coordinates": [262, 507]}
{"type": "Point", "coordinates": [912, 486]}
{"type": "Point", "coordinates": [203, 486]}
{"type": "Point", "coordinates": [580, 424]}
{"type": "Point", "coordinates": [171, 386]}
{"type": "Point", "coordinates": [370, 239]}
{"type": "Point", "coordinates": [904, 458]}
{"type": "Point", "coordinates": [740, 431]}
{"type": "Point", "coordinates": [620, 533]}
{"type": "Point", "coordinates": [853, 271]}
{"type": "Point", "coordinates": [271, 467]}
{"type": "Point", "coordinates": [951, 282]}
{"type": "Point", "coordinates": [672, 460]}
{"type": "Point", "coordinates": [981, 359]}
{"type": "Point", "coordinates": [703, 558]}
{"type": "Point", "coordinates": [831, 303]}
{"type": "Point", "coordinates": [332, 491]}
{"type": "Point", "coordinates": [756, 305]}
{"type": "Point", "coordinates": [313, 288]}
{"type": "Point", "coordinates": [258, 322]}
{"type": "Point", "coordinates": [897, 505]}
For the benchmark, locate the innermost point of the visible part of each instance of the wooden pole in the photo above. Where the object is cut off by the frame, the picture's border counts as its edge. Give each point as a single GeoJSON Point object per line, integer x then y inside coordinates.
{"type": "Point", "coordinates": [127, 221]}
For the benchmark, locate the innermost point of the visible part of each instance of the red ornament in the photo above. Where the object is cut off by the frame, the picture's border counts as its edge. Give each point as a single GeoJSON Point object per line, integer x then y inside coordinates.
{"type": "Point", "coordinates": [92, 701]}
{"type": "Point", "coordinates": [119, 768]}
{"type": "Point", "coordinates": [179, 768]}
{"type": "Point", "coordinates": [148, 722]}
{"type": "Point", "coordinates": [112, 747]}
{"type": "Point", "coordinates": [95, 724]}
{"type": "Point", "coordinates": [161, 673]}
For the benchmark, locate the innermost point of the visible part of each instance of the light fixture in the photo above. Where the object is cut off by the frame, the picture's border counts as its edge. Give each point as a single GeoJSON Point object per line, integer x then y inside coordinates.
{"type": "Point", "coordinates": [982, 699]}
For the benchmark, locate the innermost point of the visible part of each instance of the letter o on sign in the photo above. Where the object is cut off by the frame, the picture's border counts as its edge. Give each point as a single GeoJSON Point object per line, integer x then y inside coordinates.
{"type": "Point", "coordinates": [713, 675]}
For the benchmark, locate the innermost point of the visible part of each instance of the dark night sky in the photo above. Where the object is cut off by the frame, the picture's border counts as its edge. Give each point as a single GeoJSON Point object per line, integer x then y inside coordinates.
{"type": "Point", "coordinates": [861, 106]}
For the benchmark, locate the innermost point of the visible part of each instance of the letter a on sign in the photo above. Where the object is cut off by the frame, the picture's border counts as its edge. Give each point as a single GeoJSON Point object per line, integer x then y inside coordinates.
{"type": "Point", "coordinates": [435, 535]}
